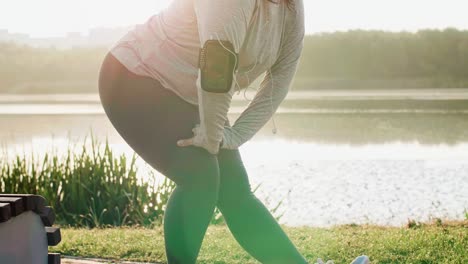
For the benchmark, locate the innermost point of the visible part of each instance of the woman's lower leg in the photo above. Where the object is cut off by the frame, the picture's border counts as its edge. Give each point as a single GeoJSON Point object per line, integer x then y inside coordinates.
{"type": "Point", "coordinates": [186, 219]}
{"type": "Point", "coordinates": [191, 205]}
{"type": "Point", "coordinates": [251, 223]}
{"type": "Point", "coordinates": [258, 232]}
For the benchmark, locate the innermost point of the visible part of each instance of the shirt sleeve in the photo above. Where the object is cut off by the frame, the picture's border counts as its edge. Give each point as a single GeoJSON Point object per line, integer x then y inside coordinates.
{"type": "Point", "coordinates": [273, 90]}
{"type": "Point", "coordinates": [220, 20]}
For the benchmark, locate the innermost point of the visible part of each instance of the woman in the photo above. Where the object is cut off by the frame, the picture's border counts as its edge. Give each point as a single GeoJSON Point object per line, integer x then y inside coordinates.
{"type": "Point", "coordinates": [166, 86]}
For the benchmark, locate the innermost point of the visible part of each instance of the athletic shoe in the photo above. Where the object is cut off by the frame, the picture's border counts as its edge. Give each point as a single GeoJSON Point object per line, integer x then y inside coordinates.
{"type": "Point", "coordinates": [320, 261]}
{"type": "Point", "coordinates": [361, 260]}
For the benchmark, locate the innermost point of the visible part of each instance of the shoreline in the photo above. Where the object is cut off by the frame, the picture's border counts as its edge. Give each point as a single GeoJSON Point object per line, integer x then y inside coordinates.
{"type": "Point", "coordinates": [323, 94]}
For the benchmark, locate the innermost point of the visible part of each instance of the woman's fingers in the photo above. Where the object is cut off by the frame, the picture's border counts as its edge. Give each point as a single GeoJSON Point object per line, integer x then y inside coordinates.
{"type": "Point", "coordinates": [188, 142]}
{"type": "Point", "coordinates": [185, 142]}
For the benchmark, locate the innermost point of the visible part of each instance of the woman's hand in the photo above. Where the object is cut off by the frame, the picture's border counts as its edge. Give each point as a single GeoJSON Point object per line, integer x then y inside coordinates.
{"type": "Point", "coordinates": [189, 141]}
{"type": "Point", "coordinates": [199, 141]}
{"type": "Point", "coordinates": [186, 142]}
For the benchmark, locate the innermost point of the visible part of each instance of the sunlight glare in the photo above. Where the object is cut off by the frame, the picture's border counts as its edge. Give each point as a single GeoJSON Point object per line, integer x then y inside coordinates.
{"type": "Point", "coordinates": [49, 18]}
{"type": "Point", "coordinates": [54, 18]}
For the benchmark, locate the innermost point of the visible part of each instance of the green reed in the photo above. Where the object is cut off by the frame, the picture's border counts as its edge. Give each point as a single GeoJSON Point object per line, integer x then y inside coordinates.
{"type": "Point", "coordinates": [92, 187]}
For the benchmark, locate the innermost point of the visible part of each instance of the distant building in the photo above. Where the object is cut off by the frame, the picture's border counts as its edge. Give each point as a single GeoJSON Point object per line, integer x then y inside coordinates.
{"type": "Point", "coordinates": [3, 34]}
{"type": "Point", "coordinates": [96, 37]}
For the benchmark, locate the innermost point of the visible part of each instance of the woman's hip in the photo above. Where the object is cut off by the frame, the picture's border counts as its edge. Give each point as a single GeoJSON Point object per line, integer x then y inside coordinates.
{"type": "Point", "coordinates": [149, 117]}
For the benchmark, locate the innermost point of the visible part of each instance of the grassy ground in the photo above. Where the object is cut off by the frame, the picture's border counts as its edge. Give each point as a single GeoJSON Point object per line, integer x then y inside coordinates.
{"type": "Point", "coordinates": [432, 243]}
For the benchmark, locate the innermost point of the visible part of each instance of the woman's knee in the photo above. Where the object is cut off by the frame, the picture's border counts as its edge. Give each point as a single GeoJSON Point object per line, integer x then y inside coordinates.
{"type": "Point", "coordinates": [194, 168]}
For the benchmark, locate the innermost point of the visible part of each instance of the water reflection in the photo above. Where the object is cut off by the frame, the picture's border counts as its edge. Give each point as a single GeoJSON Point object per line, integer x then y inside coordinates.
{"type": "Point", "coordinates": [329, 128]}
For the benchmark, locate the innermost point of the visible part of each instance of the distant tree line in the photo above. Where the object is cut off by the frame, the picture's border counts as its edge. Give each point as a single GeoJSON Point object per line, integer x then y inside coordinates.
{"type": "Point", "coordinates": [427, 58]}
{"type": "Point", "coordinates": [35, 70]}
{"type": "Point", "coordinates": [345, 60]}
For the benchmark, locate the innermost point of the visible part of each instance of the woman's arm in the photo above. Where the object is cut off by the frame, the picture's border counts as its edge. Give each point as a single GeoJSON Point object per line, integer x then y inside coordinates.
{"type": "Point", "coordinates": [223, 23]}
{"type": "Point", "coordinates": [273, 89]}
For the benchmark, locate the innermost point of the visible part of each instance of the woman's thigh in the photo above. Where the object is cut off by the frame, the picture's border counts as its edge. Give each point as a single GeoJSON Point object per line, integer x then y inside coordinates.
{"type": "Point", "coordinates": [151, 119]}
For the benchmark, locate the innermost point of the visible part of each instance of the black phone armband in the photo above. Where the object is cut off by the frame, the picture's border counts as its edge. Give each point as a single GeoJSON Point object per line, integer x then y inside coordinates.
{"type": "Point", "coordinates": [217, 62]}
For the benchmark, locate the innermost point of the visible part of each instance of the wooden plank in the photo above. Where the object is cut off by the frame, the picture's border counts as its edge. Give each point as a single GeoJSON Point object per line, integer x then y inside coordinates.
{"type": "Point", "coordinates": [53, 258]}
{"type": "Point", "coordinates": [5, 212]}
{"type": "Point", "coordinates": [16, 204]}
{"type": "Point", "coordinates": [27, 201]}
{"type": "Point", "coordinates": [48, 216]}
{"type": "Point", "coordinates": [53, 236]}
{"type": "Point", "coordinates": [32, 202]}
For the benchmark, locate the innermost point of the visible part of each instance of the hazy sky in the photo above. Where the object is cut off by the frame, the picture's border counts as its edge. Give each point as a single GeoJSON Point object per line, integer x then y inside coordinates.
{"type": "Point", "coordinates": [47, 18]}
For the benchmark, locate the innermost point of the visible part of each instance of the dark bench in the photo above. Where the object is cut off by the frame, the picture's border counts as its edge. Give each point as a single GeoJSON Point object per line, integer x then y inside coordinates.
{"type": "Point", "coordinates": [26, 230]}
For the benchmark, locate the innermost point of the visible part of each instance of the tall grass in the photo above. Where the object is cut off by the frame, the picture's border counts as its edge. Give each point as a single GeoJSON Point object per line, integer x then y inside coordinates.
{"type": "Point", "coordinates": [92, 187]}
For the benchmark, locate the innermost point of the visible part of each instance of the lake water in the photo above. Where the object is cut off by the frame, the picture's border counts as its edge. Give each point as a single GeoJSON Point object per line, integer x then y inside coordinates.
{"type": "Point", "coordinates": [328, 166]}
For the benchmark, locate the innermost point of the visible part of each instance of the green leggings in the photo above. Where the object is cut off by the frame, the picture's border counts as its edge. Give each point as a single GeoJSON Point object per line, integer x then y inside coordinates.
{"type": "Point", "coordinates": [151, 118]}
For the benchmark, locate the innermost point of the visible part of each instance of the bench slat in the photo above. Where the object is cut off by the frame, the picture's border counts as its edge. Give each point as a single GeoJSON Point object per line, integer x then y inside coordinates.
{"type": "Point", "coordinates": [32, 202]}
{"type": "Point", "coordinates": [48, 216]}
{"type": "Point", "coordinates": [16, 204]}
{"type": "Point", "coordinates": [5, 212]}
{"type": "Point", "coordinates": [53, 258]}
{"type": "Point", "coordinates": [53, 236]}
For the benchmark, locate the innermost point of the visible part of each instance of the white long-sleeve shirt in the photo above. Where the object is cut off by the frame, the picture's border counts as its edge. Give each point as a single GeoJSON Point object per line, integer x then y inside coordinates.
{"type": "Point", "coordinates": [268, 38]}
